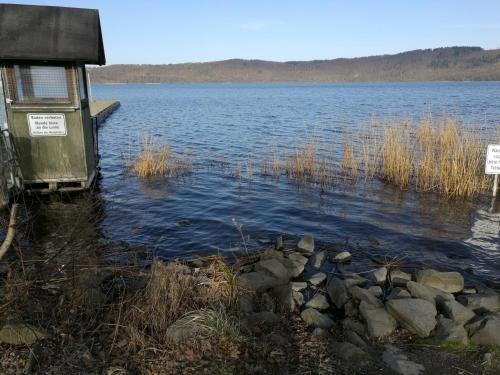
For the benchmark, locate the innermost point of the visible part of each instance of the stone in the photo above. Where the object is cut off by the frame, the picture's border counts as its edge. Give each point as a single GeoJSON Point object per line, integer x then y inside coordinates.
{"type": "Point", "coordinates": [355, 339]}
{"type": "Point", "coordinates": [320, 332]}
{"type": "Point", "coordinates": [270, 253]}
{"type": "Point", "coordinates": [365, 295]}
{"type": "Point", "coordinates": [306, 245]}
{"type": "Point", "coordinates": [337, 291]}
{"type": "Point", "coordinates": [267, 303]}
{"type": "Point", "coordinates": [246, 302]}
{"type": "Point", "coordinates": [299, 286]}
{"type": "Point", "coordinates": [295, 264]}
{"type": "Point", "coordinates": [488, 333]}
{"type": "Point", "coordinates": [273, 267]}
{"type": "Point", "coordinates": [349, 324]}
{"type": "Point", "coordinates": [379, 323]}
{"type": "Point", "coordinates": [399, 278]}
{"type": "Point", "coordinates": [398, 362]}
{"type": "Point", "coordinates": [317, 278]}
{"type": "Point", "coordinates": [428, 293]}
{"type": "Point", "coordinates": [450, 282]}
{"type": "Point", "coordinates": [21, 334]}
{"type": "Point", "coordinates": [262, 318]}
{"type": "Point", "coordinates": [317, 260]}
{"type": "Point", "coordinates": [278, 244]}
{"type": "Point", "coordinates": [376, 291]}
{"type": "Point", "coordinates": [298, 298]}
{"type": "Point", "coordinates": [342, 257]}
{"type": "Point", "coordinates": [449, 330]}
{"type": "Point", "coordinates": [469, 291]}
{"type": "Point", "coordinates": [258, 281]}
{"type": "Point", "coordinates": [318, 302]}
{"type": "Point", "coordinates": [351, 308]}
{"type": "Point", "coordinates": [456, 311]}
{"type": "Point", "coordinates": [314, 318]}
{"type": "Point", "coordinates": [397, 293]}
{"type": "Point", "coordinates": [481, 302]}
{"type": "Point", "coordinates": [416, 315]}
{"type": "Point", "coordinates": [283, 296]}
{"type": "Point", "coordinates": [345, 350]}
{"type": "Point", "coordinates": [379, 275]}
{"type": "Point", "coordinates": [353, 279]}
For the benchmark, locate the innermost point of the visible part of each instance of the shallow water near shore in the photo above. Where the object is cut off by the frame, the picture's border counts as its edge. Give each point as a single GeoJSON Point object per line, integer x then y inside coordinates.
{"type": "Point", "coordinates": [194, 215]}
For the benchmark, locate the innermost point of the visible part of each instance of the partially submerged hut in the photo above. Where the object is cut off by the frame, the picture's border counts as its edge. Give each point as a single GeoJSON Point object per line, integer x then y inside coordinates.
{"type": "Point", "coordinates": [45, 106]}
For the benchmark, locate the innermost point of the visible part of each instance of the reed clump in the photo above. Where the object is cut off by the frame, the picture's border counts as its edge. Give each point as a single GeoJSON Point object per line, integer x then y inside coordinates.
{"type": "Point", "coordinates": [158, 160]}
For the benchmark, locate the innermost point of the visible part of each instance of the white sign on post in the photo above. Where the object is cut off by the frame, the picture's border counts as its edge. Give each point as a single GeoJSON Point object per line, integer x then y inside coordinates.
{"type": "Point", "coordinates": [493, 159]}
{"type": "Point", "coordinates": [47, 124]}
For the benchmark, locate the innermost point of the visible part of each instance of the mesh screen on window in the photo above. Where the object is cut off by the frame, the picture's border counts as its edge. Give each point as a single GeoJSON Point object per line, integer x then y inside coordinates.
{"type": "Point", "coordinates": [41, 84]}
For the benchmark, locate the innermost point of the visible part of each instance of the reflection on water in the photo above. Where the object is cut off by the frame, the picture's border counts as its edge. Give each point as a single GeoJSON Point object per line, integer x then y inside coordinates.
{"type": "Point", "coordinates": [194, 216]}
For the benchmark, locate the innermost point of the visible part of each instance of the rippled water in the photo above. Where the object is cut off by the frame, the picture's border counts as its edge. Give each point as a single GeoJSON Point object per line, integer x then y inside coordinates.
{"type": "Point", "coordinates": [181, 218]}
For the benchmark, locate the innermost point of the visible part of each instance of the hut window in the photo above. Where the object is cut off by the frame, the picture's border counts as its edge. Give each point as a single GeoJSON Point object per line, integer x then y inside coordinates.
{"type": "Point", "coordinates": [33, 84]}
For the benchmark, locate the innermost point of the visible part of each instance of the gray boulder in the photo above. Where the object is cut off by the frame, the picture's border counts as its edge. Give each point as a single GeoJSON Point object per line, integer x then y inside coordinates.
{"type": "Point", "coordinates": [318, 302]}
{"type": "Point", "coordinates": [283, 296]}
{"type": "Point", "coordinates": [298, 298]}
{"type": "Point", "coordinates": [397, 293]}
{"type": "Point", "coordinates": [317, 278]}
{"type": "Point", "coordinates": [352, 279]}
{"type": "Point", "coordinates": [481, 302]}
{"type": "Point", "coordinates": [379, 275]}
{"type": "Point", "coordinates": [376, 291]}
{"type": "Point", "coordinates": [337, 291]}
{"type": "Point", "coordinates": [450, 282]}
{"type": "Point", "coordinates": [314, 318]}
{"type": "Point", "coordinates": [346, 350]}
{"type": "Point", "coordinates": [449, 330]}
{"type": "Point", "coordinates": [365, 295]}
{"type": "Point", "coordinates": [317, 260]}
{"type": "Point", "coordinates": [295, 263]}
{"type": "Point", "coordinates": [398, 362]}
{"type": "Point", "coordinates": [258, 281]}
{"type": "Point", "coordinates": [355, 339]}
{"type": "Point", "coordinates": [299, 286]}
{"type": "Point", "coordinates": [488, 332]}
{"type": "Point", "coordinates": [416, 315]}
{"type": "Point", "coordinates": [320, 333]}
{"type": "Point", "coordinates": [246, 302]}
{"type": "Point", "coordinates": [378, 322]}
{"type": "Point", "coordinates": [306, 245]}
{"type": "Point", "coordinates": [342, 257]}
{"type": "Point", "coordinates": [349, 324]}
{"type": "Point", "coordinates": [399, 278]}
{"type": "Point", "coordinates": [456, 311]}
{"type": "Point", "coordinates": [274, 267]}
{"type": "Point", "coordinates": [428, 293]}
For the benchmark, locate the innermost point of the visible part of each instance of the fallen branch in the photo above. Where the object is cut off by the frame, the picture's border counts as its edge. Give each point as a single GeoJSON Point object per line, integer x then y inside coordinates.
{"type": "Point", "coordinates": [11, 231]}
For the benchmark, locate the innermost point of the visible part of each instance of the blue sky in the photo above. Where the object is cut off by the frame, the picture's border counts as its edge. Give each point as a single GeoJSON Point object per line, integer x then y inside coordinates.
{"type": "Point", "coordinates": [160, 32]}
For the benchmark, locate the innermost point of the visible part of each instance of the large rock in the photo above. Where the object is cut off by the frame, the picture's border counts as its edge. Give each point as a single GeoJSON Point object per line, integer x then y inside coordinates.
{"type": "Point", "coordinates": [295, 263]}
{"type": "Point", "coordinates": [298, 298]}
{"type": "Point", "coordinates": [352, 279]}
{"type": "Point", "coordinates": [355, 339]}
{"type": "Point", "coordinates": [378, 322]}
{"type": "Point", "coordinates": [450, 282]}
{"type": "Point", "coordinates": [449, 330]}
{"type": "Point", "coordinates": [306, 245]}
{"type": "Point", "coordinates": [314, 318]}
{"type": "Point", "coordinates": [21, 334]}
{"type": "Point", "coordinates": [456, 311]}
{"type": "Point", "coordinates": [428, 293]}
{"type": "Point", "coordinates": [258, 281]}
{"type": "Point", "coordinates": [399, 278]}
{"type": "Point", "coordinates": [283, 296]}
{"type": "Point", "coordinates": [349, 324]}
{"type": "Point", "coordinates": [299, 286]}
{"type": "Point", "coordinates": [346, 350]}
{"type": "Point", "coordinates": [397, 293]}
{"type": "Point", "coordinates": [318, 302]}
{"type": "Point", "coordinates": [338, 292]}
{"type": "Point", "coordinates": [365, 295]}
{"type": "Point", "coordinates": [416, 315]}
{"type": "Point", "coordinates": [275, 268]}
{"type": "Point", "coordinates": [379, 275]}
{"type": "Point", "coordinates": [481, 301]}
{"type": "Point", "coordinates": [317, 260]}
{"type": "Point", "coordinates": [398, 362]}
{"type": "Point", "coordinates": [317, 278]}
{"type": "Point", "coordinates": [488, 332]}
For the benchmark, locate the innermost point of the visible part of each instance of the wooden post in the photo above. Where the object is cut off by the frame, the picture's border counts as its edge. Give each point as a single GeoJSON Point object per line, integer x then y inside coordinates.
{"type": "Point", "coordinates": [495, 185]}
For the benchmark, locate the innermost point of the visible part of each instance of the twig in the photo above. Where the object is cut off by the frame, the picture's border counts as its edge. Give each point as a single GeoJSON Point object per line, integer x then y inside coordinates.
{"type": "Point", "coordinates": [11, 231]}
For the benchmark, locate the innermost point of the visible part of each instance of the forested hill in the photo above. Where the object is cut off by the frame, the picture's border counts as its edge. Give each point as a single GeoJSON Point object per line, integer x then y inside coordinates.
{"type": "Point", "coordinates": [440, 64]}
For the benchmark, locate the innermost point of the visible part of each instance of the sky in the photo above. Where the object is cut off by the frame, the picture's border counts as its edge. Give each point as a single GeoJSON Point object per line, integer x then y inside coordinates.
{"type": "Point", "coordinates": [164, 32]}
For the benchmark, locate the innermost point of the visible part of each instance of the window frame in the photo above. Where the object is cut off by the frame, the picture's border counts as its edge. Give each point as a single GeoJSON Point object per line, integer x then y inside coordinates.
{"type": "Point", "coordinates": [71, 83]}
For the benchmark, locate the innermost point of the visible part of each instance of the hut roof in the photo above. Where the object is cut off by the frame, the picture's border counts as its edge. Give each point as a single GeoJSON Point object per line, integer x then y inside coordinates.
{"type": "Point", "coordinates": [47, 33]}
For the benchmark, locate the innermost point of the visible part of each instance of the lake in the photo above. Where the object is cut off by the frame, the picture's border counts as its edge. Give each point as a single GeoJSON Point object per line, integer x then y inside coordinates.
{"type": "Point", "coordinates": [194, 215]}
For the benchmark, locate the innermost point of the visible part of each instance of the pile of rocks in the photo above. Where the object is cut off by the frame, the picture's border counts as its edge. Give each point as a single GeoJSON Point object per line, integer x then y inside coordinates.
{"type": "Point", "coordinates": [371, 304]}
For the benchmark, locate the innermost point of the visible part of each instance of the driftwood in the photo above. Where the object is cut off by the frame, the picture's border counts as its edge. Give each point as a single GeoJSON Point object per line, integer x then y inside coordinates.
{"type": "Point", "coordinates": [11, 231]}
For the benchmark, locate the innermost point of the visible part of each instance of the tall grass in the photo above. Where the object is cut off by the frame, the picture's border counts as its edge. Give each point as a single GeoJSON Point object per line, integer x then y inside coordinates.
{"type": "Point", "coordinates": [155, 159]}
